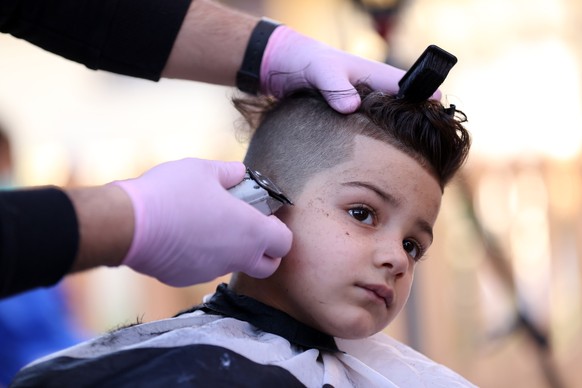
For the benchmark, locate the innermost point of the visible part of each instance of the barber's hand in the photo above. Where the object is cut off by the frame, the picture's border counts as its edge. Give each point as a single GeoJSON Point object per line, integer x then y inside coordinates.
{"type": "Point", "coordinates": [293, 61]}
{"type": "Point", "coordinates": [189, 229]}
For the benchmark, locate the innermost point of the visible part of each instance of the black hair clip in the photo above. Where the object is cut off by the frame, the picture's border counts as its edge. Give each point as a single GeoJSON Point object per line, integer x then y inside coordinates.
{"type": "Point", "coordinates": [451, 110]}
{"type": "Point", "coordinates": [426, 74]}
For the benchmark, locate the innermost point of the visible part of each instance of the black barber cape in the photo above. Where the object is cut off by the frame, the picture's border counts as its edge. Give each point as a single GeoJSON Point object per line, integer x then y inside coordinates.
{"type": "Point", "coordinates": [235, 341]}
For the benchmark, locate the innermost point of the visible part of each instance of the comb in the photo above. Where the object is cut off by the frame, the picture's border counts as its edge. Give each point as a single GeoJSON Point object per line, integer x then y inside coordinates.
{"type": "Point", "coordinates": [426, 74]}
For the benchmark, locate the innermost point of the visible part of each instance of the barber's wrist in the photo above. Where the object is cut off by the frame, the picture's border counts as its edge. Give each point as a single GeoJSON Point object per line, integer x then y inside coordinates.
{"type": "Point", "coordinates": [248, 76]}
{"type": "Point", "coordinates": [106, 225]}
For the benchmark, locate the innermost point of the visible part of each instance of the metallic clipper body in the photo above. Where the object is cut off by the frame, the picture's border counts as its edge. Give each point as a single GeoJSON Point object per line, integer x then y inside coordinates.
{"type": "Point", "coordinates": [258, 191]}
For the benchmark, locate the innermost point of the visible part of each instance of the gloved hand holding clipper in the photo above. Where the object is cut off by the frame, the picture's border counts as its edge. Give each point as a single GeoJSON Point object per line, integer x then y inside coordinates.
{"type": "Point", "coordinates": [205, 233]}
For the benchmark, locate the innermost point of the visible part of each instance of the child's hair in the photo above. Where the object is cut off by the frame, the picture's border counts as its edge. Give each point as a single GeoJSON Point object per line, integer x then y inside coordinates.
{"type": "Point", "coordinates": [301, 135]}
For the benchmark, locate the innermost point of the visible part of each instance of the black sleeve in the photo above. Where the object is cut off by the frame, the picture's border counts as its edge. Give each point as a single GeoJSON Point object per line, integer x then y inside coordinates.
{"type": "Point", "coordinates": [39, 238]}
{"type": "Point", "coordinates": [131, 37]}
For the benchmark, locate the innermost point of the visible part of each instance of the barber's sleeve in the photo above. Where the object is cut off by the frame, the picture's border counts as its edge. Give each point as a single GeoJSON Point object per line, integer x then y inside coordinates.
{"type": "Point", "coordinates": [130, 37]}
{"type": "Point", "coordinates": [39, 238]}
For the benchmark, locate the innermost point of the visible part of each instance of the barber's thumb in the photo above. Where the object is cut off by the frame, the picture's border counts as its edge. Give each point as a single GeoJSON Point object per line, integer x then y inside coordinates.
{"type": "Point", "coordinates": [437, 95]}
{"type": "Point", "coordinates": [230, 173]}
{"type": "Point", "coordinates": [278, 239]}
{"type": "Point", "coordinates": [264, 267]}
{"type": "Point", "coordinates": [343, 98]}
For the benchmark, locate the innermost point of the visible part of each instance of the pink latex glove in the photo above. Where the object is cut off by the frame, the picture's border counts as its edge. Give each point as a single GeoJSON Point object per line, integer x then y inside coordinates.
{"type": "Point", "coordinates": [189, 229]}
{"type": "Point", "coordinates": [292, 61]}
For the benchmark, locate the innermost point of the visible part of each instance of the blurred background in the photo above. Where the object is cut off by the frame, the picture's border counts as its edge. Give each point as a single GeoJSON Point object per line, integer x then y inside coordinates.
{"type": "Point", "coordinates": [499, 298]}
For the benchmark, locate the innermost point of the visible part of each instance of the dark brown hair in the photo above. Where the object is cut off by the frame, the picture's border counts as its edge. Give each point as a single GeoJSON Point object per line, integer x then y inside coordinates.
{"type": "Point", "coordinates": [300, 135]}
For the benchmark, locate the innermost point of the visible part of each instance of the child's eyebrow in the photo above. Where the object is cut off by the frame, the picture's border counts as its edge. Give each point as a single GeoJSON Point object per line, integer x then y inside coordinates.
{"type": "Point", "coordinates": [391, 200]}
{"type": "Point", "coordinates": [387, 197]}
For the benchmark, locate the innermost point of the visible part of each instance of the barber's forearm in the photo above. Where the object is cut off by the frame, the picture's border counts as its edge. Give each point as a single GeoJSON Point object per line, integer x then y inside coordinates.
{"type": "Point", "coordinates": [106, 225]}
{"type": "Point", "coordinates": [211, 44]}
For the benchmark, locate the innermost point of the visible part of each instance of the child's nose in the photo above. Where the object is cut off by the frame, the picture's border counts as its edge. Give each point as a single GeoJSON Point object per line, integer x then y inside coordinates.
{"type": "Point", "coordinates": [393, 258]}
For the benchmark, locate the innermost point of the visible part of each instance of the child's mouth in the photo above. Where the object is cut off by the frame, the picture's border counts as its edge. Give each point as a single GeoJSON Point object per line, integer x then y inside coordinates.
{"type": "Point", "coordinates": [380, 292]}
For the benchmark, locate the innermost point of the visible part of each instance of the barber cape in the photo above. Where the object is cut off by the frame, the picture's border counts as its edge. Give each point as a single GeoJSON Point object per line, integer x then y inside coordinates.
{"type": "Point", "coordinates": [235, 341]}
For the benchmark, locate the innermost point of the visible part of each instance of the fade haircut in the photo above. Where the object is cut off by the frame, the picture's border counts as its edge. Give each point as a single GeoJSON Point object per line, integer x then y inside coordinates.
{"type": "Point", "coordinates": [300, 135]}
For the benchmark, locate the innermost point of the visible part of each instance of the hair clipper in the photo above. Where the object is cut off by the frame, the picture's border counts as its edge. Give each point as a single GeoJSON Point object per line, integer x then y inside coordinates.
{"type": "Point", "coordinates": [260, 192]}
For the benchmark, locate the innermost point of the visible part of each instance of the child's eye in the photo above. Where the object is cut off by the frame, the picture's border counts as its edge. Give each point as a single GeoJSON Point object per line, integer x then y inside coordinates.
{"type": "Point", "coordinates": [362, 214]}
{"type": "Point", "coordinates": [413, 248]}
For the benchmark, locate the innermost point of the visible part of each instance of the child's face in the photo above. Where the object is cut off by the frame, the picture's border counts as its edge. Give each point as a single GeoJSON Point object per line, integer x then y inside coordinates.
{"type": "Point", "coordinates": [358, 229]}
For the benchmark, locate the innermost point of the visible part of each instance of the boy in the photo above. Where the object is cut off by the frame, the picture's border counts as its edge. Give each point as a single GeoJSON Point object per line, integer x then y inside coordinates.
{"type": "Point", "coordinates": [366, 189]}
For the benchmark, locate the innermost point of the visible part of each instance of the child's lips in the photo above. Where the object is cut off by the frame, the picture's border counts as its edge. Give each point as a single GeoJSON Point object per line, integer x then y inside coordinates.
{"type": "Point", "coordinates": [380, 291]}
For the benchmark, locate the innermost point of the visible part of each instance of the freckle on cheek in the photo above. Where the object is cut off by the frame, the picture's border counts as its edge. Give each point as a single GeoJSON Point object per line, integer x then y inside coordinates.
{"type": "Point", "coordinates": [347, 233]}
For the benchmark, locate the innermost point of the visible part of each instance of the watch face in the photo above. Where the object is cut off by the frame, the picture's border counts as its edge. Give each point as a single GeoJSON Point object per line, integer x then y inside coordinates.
{"type": "Point", "coordinates": [268, 185]}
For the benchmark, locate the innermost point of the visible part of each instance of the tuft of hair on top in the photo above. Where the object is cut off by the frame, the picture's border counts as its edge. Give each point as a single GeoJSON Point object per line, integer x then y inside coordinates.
{"type": "Point", "coordinates": [427, 131]}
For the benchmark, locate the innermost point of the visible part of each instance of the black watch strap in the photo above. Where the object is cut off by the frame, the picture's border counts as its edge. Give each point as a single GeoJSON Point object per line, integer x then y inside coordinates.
{"type": "Point", "coordinates": [248, 77]}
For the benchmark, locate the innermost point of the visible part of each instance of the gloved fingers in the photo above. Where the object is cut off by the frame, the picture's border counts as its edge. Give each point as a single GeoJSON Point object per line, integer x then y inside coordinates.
{"type": "Point", "coordinates": [385, 78]}
{"type": "Point", "coordinates": [264, 267]}
{"type": "Point", "coordinates": [276, 242]}
{"type": "Point", "coordinates": [341, 96]}
{"type": "Point", "coordinates": [229, 173]}
{"type": "Point", "coordinates": [279, 237]}
{"type": "Point", "coordinates": [337, 86]}
{"type": "Point", "coordinates": [379, 76]}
